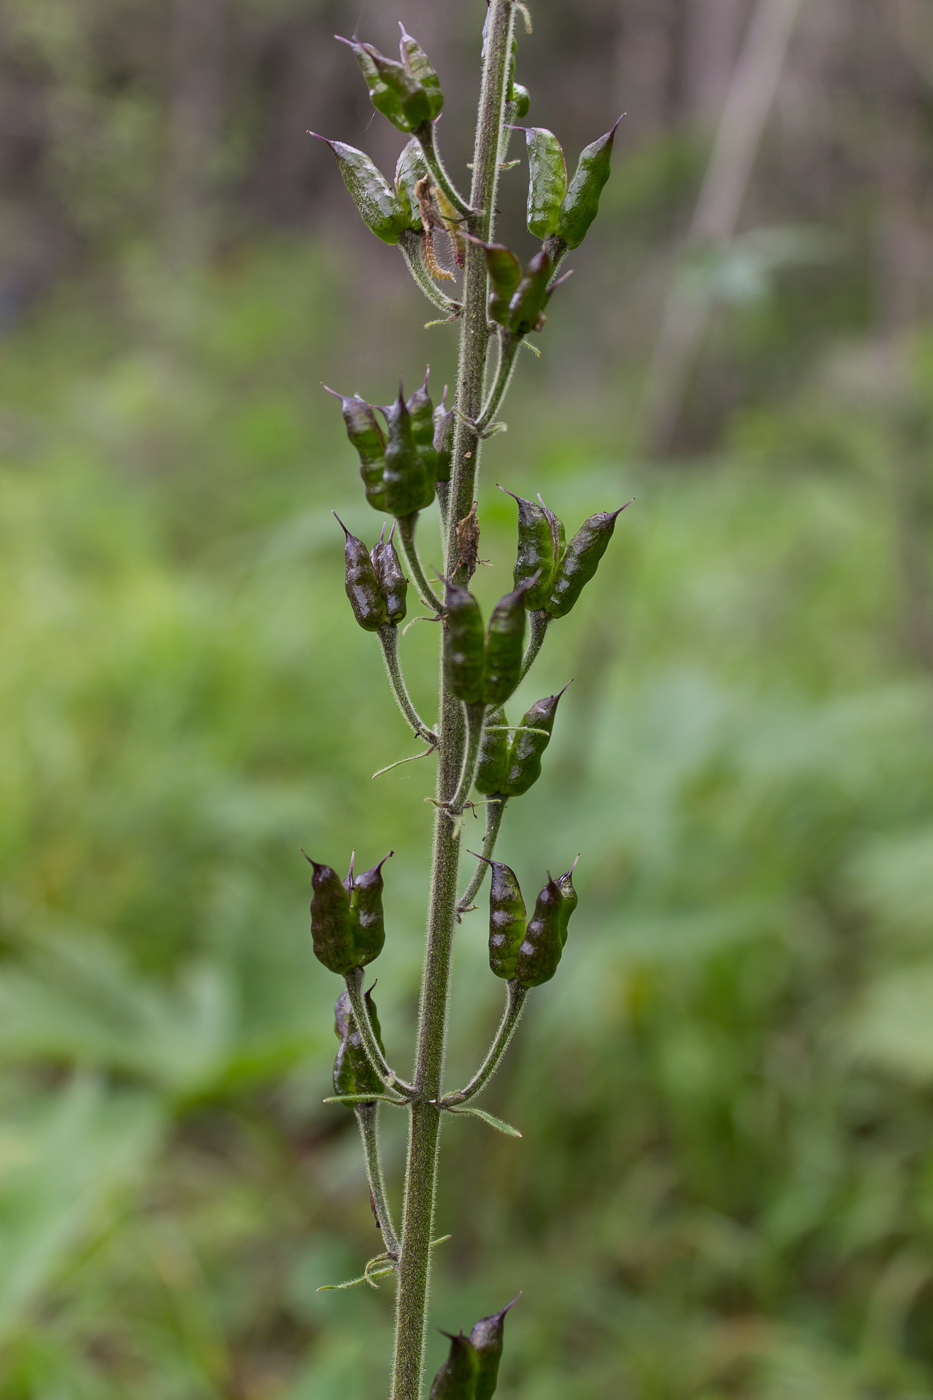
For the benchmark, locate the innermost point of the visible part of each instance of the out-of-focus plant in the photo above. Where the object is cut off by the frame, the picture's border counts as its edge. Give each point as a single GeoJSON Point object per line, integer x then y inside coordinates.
{"type": "Point", "coordinates": [426, 453]}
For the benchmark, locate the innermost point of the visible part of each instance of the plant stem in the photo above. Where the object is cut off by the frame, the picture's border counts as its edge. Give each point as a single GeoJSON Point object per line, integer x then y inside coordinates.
{"type": "Point", "coordinates": [538, 623]}
{"type": "Point", "coordinates": [432, 160]}
{"type": "Point", "coordinates": [367, 1118]}
{"type": "Point", "coordinates": [388, 636]}
{"type": "Point", "coordinates": [508, 350]}
{"type": "Point", "coordinates": [494, 810]}
{"type": "Point", "coordinates": [510, 1019]}
{"type": "Point", "coordinates": [425, 1120]}
{"type": "Point", "coordinates": [410, 246]}
{"type": "Point", "coordinates": [406, 534]}
{"type": "Point", "coordinates": [354, 981]}
{"type": "Point", "coordinates": [474, 718]}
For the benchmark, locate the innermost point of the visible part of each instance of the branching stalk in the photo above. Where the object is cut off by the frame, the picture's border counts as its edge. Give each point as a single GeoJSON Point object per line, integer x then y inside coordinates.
{"type": "Point", "coordinates": [367, 1116]}
{"type": "Point", "coordinates": [406, 534]}
{"type": "Point", "coordinates": [410, 246]}
{"type": "Point", "coordinates": [388, 636]}
{"type": "Point", "coordinates": [424, 1130]}
{"type": "Point", "coordinates": [354, 981]}
{"type": "Point", "coordinates": [508, 352]}
{"type": "Point", "coordinates": [514, 1007]}
{"type": "Point", "coordinates": [538, 623]}
{"type": "Point", "coordinates": [494, 810]}
{"type": "Point", "coordinates": [474, 717]}
{"type": "Point", "coordinates": [432, 159]}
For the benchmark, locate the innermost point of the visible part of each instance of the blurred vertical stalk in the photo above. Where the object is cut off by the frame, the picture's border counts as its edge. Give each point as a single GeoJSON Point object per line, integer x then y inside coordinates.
{"type": "Point", "coordinates": [197, 30]}
{"type": "Point", "coordinates": [751, 94]}
{"type": "Point", "coordinates": [425, 1114]}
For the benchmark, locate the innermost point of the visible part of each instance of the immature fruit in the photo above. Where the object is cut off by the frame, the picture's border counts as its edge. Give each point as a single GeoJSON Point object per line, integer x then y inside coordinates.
{"type": "Point", "coordinates": [506, 920]}
{"type": "Point", "coordinates": [505, 643]}
{"type": "Point", "coordinates": [393, 585]}
{"type": "Point", "coordinates": [464, 644]}
{"type": "Point", "coordinates": [580, 560]}
{"type": "Point", "coordinates": [547, 181]}
{"type": "Point", "coordinates": [380, 207]}
{"type": "Point", "coordinates": [546, 934]}
{"type": "Point", "coordinates": [581, 204]}
{"type": "Point", "coordinates": [487, 1337]}
{"type": "Point", "coordinates": [353, 1074]}
{"type": "Point", "coordinates": [361, 583]}
{"type": "Point", "coordinates": [493, 765]}
{"type": "Point", "coordinates": [456, 1380]}
{"type": "Point", "coordinates": [523, 767]}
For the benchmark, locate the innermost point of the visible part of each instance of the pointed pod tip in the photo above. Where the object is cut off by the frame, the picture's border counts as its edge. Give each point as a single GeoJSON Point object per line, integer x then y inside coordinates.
{"type": "Point", "coordinates": [341, 524]}
{"type": "Point", "coordinates": [617, 513]}
{"type": "Point", "coordinates": [477, 856]}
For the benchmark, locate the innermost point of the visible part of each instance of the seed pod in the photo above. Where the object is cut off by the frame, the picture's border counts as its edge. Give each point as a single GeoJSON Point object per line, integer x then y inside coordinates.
{"type": "Point", "coordinates": [505, 644]}
{"type": "Point", "coordinates": [536, 551]}
{"type": "Point", "coordinates": [487, 1339]}
{"type": "Point", "coordinates": [365, 897]}
{"type": "Point", "coordinates": [524, 761]}
{"type": "Point", "coordinates": [332, 925]}
{"type": "Point", "coordinates": [422, 427]}
{"type": "Point", "coordinates": [353, 1074]}
{"type": "Point", "coordinates": [409, 170]}
{"type": "Point", "coordinates": [361, 583]}
{"type": "Point", "coordinates": [422, 70]}
{"type": "Point", "coordinates": [393, 585]}
{"type": "Point", "coordinates": [505, 274]}
{"type": "Point", "coordinates": [507, 916]}
{"type": "Point", "coordinates": [530, 297]}
{"type": "Point", "coordinates": [369, 440]}
{"type": "Point", "coordinates": [393, 89]}
{"type": "Point", "coordinates": [543, 944]}
{"type": "Point", "coordinates": [464, 644]}
{"type": "Point", "coordinates": [406, 484]}
{"type": "Point", "coordinates": [380, 207]}
{"type": "Point", "coordinates": [569, 900]}
{"type": "Point", "coordinates": [581, 203]}
{"type": "Point", "coordinates": [547, 181]}
{"type": "Point", "coordinates": [456, 1380]}
{"type": "Point", "coordinates": [443, 440]}
{"type": "Point", "coordinates": [580, 560]}
{"type": "Point", "coordinates": [492, 768]}
{"type": "Point", "coordinates": [521, 98]}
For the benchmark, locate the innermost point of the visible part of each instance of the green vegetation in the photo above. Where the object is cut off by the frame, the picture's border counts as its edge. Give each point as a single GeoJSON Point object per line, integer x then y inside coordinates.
{"type": "Point", "coordinates": [726, 1188]}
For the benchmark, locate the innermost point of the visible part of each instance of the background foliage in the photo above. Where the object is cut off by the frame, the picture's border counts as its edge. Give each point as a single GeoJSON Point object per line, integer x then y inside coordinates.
{"type": "Point", "coordinates": [725, 1187]}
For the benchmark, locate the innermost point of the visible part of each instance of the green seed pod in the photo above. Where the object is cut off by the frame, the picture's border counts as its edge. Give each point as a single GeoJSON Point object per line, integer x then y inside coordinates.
{"type": "Point", "coordinates": [406, 485]}
{"type": "Point", "coordinates": [422, 70]}
{"type": "Point", "coordinates": [537, 556]}
{"type": "Point", "coordinates": [487, 1338]}
{"type": "Point", "coordinates": [492, 768]}
{"type": "Point", "coordinates": [456, 1380]}
{"type": "Point", "coordinates": [422, 427]}
{"type": "Point", "coordinates": [332, 925]}
{"type": "Point", "coordinates": [353, 1074]}
{"type": "Point", "coordinates": [581, 203]}
{"type": "Point", "coordinates": [580, 560]}
{"type": "Point", "coordinates": [547, 181]}
{"type": "Point", "coordinates": [369, 440]}
{"type": "Point", "coordinates": [365, 898]}
{"type": "Point", "coordinates": [505, 274]}
{"type": "Point", "coordinates": [524, 761]}
{"type": "Point", "coordinates": [507, 916]}
{"type": "Point", "coordinates": [521, 98]}
{"type": "Point", "coordinates": [543, 944]}
{"type": "Point", "coordinates": [531, 296]}
{"type": "Point", "coordinates": [443, 440]}
{"type": "Point", "coordinates": [569, 900]}
{"type": "Point", "coordinates": [361, 583]}
{"type": "Point", "coordinates": [505, 644]}
{"type": "Point", "coordinates": [393, 585]}
{"type": "Point", "coordinates": [380, 207]}
{"type": "Point", "coordinates": [410, 169]}
{"type": "Point", "coordinates": [393, 90]}
{"type": "Point", "coordinates": [464, 644]}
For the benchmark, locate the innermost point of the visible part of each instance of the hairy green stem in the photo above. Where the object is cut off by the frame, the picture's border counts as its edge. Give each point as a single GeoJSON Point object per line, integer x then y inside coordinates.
{"type": "Point", "coordinates": [508, 351]}
{"type": "Point", "coordinates": [388, 636]}
{"type": "Point", "coordinates": [474, 726]}
{"type": "Point", "coordinates": [367, 1116]}
{"type": "Point", "coordinates": [425, 1115]}
{"type": "Point", "coordinates": [432, 159]}
{"type": "Point", "coordinates": [406, 534]}
{"type": "Point", "coordinates": [514, 1006]}
{"type": "Point", "coordinates": [390, 1079]}
{"type": "Point", "coordinates": [538, 623]}
{"type": "Point", "coordinates": [410, 247]}
{"type": "Point", "coordinates": [494, 810]}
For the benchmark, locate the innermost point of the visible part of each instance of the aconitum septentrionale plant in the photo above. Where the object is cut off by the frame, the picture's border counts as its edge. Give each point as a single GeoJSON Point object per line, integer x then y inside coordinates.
{"type": "Point", "coordinates": [413, 453]}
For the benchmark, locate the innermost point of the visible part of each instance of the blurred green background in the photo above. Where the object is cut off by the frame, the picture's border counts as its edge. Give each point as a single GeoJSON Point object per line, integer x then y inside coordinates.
{"type": "Point", "coordinates": [725, 1185]}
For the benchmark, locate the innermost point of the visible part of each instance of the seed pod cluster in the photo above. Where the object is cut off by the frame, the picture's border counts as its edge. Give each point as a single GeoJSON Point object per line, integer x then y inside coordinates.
{"type": "Point", "coordinates": [399, 466]}
{"type": "Point", "coordinates": [517, 297]}
{"type": "Point", "coordinates": [353, 1074]}
{"type": "Point", "coordinates": [528, 953]}
{"type": "Point", "coordinates": [374, 582]}
{"type": "Point", "coordinates": [483, 667]}
{"type": "Point", "coordinates": [509, 769]}
{"type": "Point", "coordinates": [408, 92]}
{"type": "Point", "coordinates": [558, 209]}
{"type": "Point", "coordinates": [471, 1370]}
{"type": "Point", "coordinates": [384, 210]}
{"type": "Point", "coordinates": [347, 923]}
{"type": "Point", "coordinates": [559, 571]}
